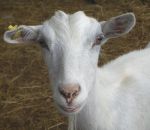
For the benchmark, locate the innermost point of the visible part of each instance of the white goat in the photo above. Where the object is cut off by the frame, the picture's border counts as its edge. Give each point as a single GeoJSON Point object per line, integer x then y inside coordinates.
{"type": "Point", "coordinates": [113, 97]}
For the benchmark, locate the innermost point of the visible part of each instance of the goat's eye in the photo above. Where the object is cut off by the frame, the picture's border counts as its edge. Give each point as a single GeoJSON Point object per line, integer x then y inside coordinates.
{"type": "Point", "coordinates": [98, 39]}
{"type": "Point", "coordinates": [43, 44]}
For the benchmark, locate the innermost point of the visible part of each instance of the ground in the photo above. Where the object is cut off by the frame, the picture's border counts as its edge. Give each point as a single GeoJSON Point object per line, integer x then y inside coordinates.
{"type": "Point", "coordinates": [25, 95]}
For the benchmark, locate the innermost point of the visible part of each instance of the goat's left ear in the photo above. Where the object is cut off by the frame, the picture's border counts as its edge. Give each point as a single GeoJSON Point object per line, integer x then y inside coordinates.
{"type": "Point", "coordinates": [118, 26]}
{"type": "Point", "coordinates": [22, 34]}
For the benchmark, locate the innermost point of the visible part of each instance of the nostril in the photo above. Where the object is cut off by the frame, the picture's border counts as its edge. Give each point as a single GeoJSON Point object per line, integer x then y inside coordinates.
{"type": "Point", "coordinates": [76, 93]}
{"type": "Point", "coordinates": [69, 92]}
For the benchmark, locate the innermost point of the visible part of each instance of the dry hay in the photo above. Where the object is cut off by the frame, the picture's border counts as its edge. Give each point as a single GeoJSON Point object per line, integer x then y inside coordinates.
{"type": "Point", "coordinates": [25, 96]}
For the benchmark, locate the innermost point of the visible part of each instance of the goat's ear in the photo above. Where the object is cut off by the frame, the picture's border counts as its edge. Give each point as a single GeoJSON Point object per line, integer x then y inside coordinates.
{"type": "Point", "coordinates": [22, 34]}
{"type": "Point", "coordinates": [118, 26]}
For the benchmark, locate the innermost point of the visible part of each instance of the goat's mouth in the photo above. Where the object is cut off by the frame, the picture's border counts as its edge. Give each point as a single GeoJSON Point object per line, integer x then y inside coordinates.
{"type": "Point", "coordinates": [72, 109]}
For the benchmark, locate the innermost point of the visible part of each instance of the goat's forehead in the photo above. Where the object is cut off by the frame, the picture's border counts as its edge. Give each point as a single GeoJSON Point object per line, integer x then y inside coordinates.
{"type": "Point", "coordinates": [77, 19]}
{"type": "Point", "coordinates": [65, 26]}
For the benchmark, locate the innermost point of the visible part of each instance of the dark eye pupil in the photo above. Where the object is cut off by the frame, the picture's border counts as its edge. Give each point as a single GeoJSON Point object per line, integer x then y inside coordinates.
{"type": "Point", "coordinates": [100, 38]}
{"type": "Point", "coordinates": [44, 45]}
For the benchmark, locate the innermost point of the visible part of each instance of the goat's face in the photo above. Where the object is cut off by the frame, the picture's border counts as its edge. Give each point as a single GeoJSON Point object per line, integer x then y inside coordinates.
{"type": "Point", "coordinates": [71, 57]}
{"type": "Point", "coordinates": [71, 45]}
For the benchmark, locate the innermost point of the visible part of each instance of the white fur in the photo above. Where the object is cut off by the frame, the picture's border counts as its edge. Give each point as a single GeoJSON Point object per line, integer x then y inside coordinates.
{"type": "Point", "coordinates": [120, 99]}
{"type": "Point", "coordinates": [113, 97]}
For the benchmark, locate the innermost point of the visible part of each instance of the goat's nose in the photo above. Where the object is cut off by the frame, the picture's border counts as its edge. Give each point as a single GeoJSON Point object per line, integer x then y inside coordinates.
{"type": "Point", "coordinates": [69, 92]}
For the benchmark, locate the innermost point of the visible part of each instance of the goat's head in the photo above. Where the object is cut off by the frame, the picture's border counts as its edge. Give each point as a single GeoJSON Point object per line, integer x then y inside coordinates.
{"type": "Point", "coordinates": [71, 45]}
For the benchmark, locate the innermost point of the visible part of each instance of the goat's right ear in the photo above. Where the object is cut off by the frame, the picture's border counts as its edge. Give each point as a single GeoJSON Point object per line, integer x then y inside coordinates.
{"type": "Point", "coordinates": [118, 26]}
{"type": "Point", "coordinates": [22, 34]}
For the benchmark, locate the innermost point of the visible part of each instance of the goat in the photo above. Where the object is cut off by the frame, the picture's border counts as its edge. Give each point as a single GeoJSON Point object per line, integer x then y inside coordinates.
{"type": "Point", "coordinates": [113, 97]}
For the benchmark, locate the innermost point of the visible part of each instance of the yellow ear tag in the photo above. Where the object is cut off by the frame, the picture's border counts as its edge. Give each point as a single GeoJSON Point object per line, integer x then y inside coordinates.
{"type": "Point", "coordinates": [17, 33]}
{"type": "Point", "coordinates": [10, 27]}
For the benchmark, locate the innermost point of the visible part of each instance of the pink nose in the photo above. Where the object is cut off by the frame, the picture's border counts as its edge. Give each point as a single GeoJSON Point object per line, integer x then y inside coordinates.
{"type": "Point", "coordinates": [69, 92]}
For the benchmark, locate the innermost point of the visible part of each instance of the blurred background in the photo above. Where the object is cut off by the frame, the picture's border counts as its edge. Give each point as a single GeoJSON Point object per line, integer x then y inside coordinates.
{"type": "Point", "coordinates": [25, 96]}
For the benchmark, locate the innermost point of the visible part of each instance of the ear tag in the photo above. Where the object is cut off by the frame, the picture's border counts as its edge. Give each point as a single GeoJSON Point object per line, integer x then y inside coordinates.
{"type": "Point", "coordinates": [17, 33]}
